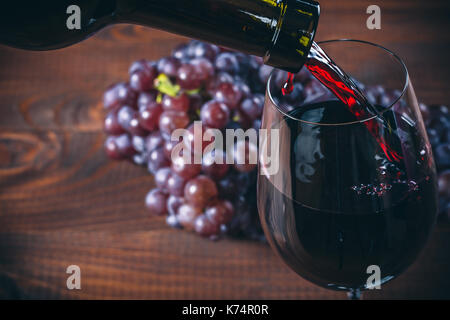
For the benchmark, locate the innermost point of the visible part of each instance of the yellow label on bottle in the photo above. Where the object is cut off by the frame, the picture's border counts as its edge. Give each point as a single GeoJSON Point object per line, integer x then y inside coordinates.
{"type": "Point", "coordinates": [304, 41]}
{"type": "Point", "coordinates": [305, 12]}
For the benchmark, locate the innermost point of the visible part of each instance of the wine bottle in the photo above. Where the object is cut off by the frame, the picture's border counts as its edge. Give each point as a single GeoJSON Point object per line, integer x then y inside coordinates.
{"type": "Point", "coordinates": [280, 31]}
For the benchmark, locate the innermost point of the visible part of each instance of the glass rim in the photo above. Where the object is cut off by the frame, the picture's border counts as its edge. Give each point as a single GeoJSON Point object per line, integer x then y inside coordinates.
{"type": "Point", "coordinates": [394, 55]}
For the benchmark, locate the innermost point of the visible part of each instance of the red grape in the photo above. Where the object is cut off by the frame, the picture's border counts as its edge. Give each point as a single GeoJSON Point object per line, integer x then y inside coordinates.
{"type": "Point", "coordinates": [157, 160]}
{"type": "Point", "coordinates": [111, 148]}
{"type": "Point", "coordinates": [161, 177]}
{"type": "Point", "coordinates": [168, 147]}
{"type": "Point", "coordinates": [168, 66]}
{"type": "Point", "coordinates": [187, 214]}
{"type": "Point", "coordinates": [156, 202]}
{"type": "Point", "coordinates": [125, 145]}
{"type": "Point", "coordinates": [442, 156]}
{"type": "Point", "coordinates": [126, 95]}
{"type": "Point", "coordinates": [227, 62]}
{"type": "Point", "coordinates": [174, 203]}
{"type": "Point", "coordinates": [149, 116]}
{"type": "Point", "coordinates": [257, 124]}
{"type": "Point", "coordinates": [139, 65]}
{"type": "Point", "coordinates": [184, 168]}
{"type": "Point", "coordinates": [220, 211]}
{"type": "Point", "coordinates": [118, 95]}
{"type": "Point", "coordinates": [259, 61]}
{"type": "Point", "coordinates": [153, 141]}
{"type": "Point", "coordinates": [142, 79]}
{"type": "Point", "coordinates": [204, 68]}
{"type": "Point", "coordinates": [180, 52]}
{"type": "Point", "coordinates": [135, 127]}
{"type": "Point", "coordinates": [110, 100]}
{"type": "Point", "coordinates": [200, 190]}
{"type": "Point", "coordinates": [194, 137]}
{"type": "Point", "coordinates": [215, 114]}
{"type": "Point", "coordinates": [228, 187]}
{"type": "Point", "coordinates": [245, 156]}
{"type": "Point", "coordinates": [188, 77]}
{"type": "Point", "coordinates": [251, 108]}
{"type": "Point", "coordinates": [171, 120]}
{"type": "Point", "coordinates": [444, 184]}
{"type": "Point", "coordinates": [124, 116]}
{"type": "Point", "coordinates": [138, 143]}
{"type": "Point", "coordinates": [214, 83]}
{"type": "Point", "coordinates": [175, 185]}
{"type": "Point", "coordinates": [223, 77]}
{"type": "Point", "coordinates": [172, 221]}
{"type": "Point", "coordinates": [425, 112]}
{"type": "Point", "coordinates": [140, 159]}
{"type": "Point", "coordinates": [205, 227]}
{"type": "Point", "coordinates": [111, 124]}
{"type": "Point", "coordinates": [128, 119]}
{"type": "Point", "coordinates": [178, 103]}
{"type": "Point", "coordinates": [244, 89]}
{"type": "Point", "coordinates": [198, 49]}
{"type": "Point", "coordinates": [243, 121]}
{"type": "Point", "coordinates": [213, 169]}
{"type": "Point", "coordinates": [258, 98]}
{"type": "Point", "coordinates": [228, 93]}
{"type": "Point", "coordinates": [264, 73]}
{"type": "Point", "coordinates": [146, 98]}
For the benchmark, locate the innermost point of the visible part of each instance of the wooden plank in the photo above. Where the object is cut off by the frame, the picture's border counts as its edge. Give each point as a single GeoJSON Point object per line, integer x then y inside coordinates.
{"type": "Point", "coordinates": [166, 264]}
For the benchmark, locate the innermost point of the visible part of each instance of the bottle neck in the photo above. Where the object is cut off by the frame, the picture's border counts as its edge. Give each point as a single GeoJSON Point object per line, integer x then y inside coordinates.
{"type": "Point", "coordinates": [281, 31]}
{"type": "Point", "coordinates": [294, 35]}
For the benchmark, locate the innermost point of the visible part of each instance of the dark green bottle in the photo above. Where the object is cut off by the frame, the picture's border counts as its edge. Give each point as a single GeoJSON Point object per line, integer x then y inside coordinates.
{"type": "Point", "coordinates": [281, 31]}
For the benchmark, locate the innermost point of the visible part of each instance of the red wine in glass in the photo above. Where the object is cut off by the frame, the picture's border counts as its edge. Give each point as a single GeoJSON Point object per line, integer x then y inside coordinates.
{"type": "Point", "coordinates": [367, 213]}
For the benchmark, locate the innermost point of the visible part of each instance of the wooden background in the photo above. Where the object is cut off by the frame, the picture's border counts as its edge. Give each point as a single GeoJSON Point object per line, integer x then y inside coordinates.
{"type": "Point", "coordinates": [63, 202]}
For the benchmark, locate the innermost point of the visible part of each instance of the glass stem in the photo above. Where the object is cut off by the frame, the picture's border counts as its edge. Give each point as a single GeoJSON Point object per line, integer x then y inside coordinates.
{"type": "Point", "coordinates": [354, 294]}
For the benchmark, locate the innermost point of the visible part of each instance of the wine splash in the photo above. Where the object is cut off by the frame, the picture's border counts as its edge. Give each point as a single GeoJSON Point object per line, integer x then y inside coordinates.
{"type": "Point", "coordinates": [288, 86]}
{"type": "Point", "coordinates": [323, 68]}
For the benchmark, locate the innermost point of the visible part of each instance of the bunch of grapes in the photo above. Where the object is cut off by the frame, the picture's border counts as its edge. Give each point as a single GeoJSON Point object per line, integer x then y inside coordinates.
{"type": "Point", "coordinates": [199, 81]}
{"type": "Point", "coordinates": [437, 122]}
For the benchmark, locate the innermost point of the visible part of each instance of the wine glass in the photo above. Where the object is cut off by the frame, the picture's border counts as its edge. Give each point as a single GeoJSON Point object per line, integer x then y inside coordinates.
{"type": "Point", "coordinates": [339, 211]}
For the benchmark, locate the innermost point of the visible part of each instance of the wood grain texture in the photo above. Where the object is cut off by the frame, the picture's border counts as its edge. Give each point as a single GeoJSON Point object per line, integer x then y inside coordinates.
{"type": "Point", "coordinates": [63, 202]}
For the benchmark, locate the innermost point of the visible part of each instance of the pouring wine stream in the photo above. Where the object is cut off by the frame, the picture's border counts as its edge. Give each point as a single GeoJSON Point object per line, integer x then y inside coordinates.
{"type": "Point", "coordinates": [323, 68]}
